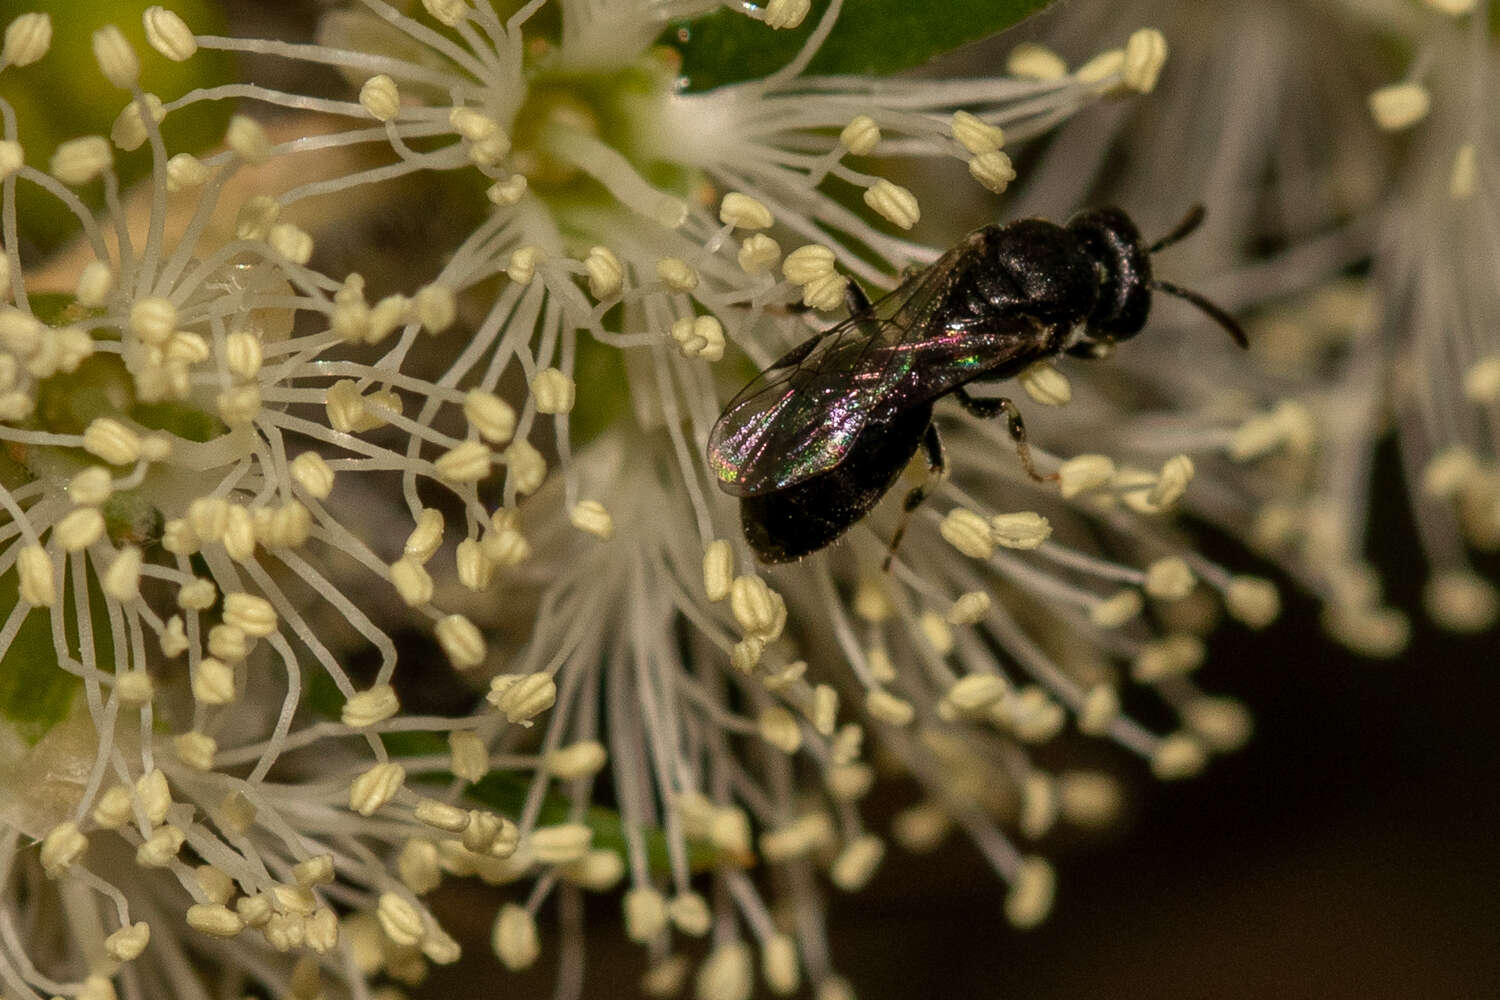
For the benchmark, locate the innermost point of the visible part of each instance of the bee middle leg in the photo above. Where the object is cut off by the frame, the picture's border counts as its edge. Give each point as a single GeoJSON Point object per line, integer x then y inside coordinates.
{"type": "Point", "coordinates": [988, 408]}
{"type": "Point", "coordinates": [937, 470]}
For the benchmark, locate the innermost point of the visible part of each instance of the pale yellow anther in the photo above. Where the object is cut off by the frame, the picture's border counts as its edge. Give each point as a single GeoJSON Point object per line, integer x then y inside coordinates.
{"type": "Point", "coordinates": [505, 545]}
{"type": "Point", "coordinates": [1107, 65]}
{"type": "Point", "coordinates": [808, 263]}
{"type": "Point", "coordinates": [412, 582]}
{"type": "Point", "coordinates": [871, 602]}
{"type": "Point", "coordinates": [1461, 600]}
{"type": "Point", "coordinates": [1463, 177]}
{"type": "Point", "coordinates": [645, 914]}
{"type": "Point", "coordinates": [690, 914]}
{"type": "Point", "coordinates": [466, 462]}
{"type": "Point", "coordinates": [366, 708]}
{"type": "Point", "coordinates": [1117, 609]}
{"type": "Point", "coordinates": [461, 641]}
{"type": "Point", "coordinates": [994, 170]}
{"type": "Point", "coordinates": [856, 863]}
{"type": "Point", "coordinates": [744, 212]}
{"type": "Point", "coordinates": [506, 192]}
{"type": "Point", "coordinates": [1021, 530]}
{"type": "Point", "coordinates": [1400, 105]}
{"type": "Point", "coordinates": [441, 815]}
{"type": "Point", "coordinates": [155, 796]}
{"type": "Point", "coordinates": [583, 759]}
{"type": "Point", "coordinates": [116, 59]}
{"type": "Point", "coordinates": [779, 964]}
{"type": "Point", "coordinates": [718, 569]}
{"type": "Point", "coordinates": [129, 129]}
{"type": "Point", "coordinates": [111, 441]}
{"type": "Point", "coordinates": [129, 942]}
{"type": "Point", "coordinates": [525, 466]}
{"type": "Point", "coordinates": [237, 813]}
{"type": "Point", "coordinates": [255, 217]}
{"type": "Point", "coordinates": [213, 682]}
{"type": "Point", "coordinates": [976, 135]}
{"type": "Point", "coordinates": [592, 518]}
{"type": "Point", "coordinates": [937, 633]}
{"type": "Point", "coordinates": [1169, 579]}
{"type": "Point", "coordinates": [784, 15]}
{"type": "Point", "coordinates": [1101, 707]}
{"type": "Point", "coordinates": [1145, 54]}
{"type": "Point", "coordinates": [1253, 601]}
{"type": "Point", "coordinates": [1045, 384]}
{"type": "Point", "coordinates": [292, 243]}
{"type": "Point", "coordinates": [248, 139]}
{"type": "Point", "coordinates": [758, 609]}
{"type": "Point", "coordinates": [122, 580]}
{"type": "Point", "coordinates": [522, 266]}
{"type": "Point", "coordinates": [134, 688]}
{"type": "Point", "coordinates": [385, 317]}
{"type": "Point", "coordinates": [522, 697]}
{"type": "Point", "coordinates": [968, 532]}
{"type": "Point", "coordinates": [243, 354]}
{"type": "Point", "coordinates": [969, 609]}
{"type": "Point", "coordinates": [605, 273]}
{"type": "Point", "coordinates": [21, 333]}
{"type": "Point", "coordinates": [251, 614]}
{"type": "Point", "coordinates": [1482, 380]}
{"type": "Point", "coordinates": [825, 294]}
{"type": "Point", "coordinates": [196, 750]}
{"type": "Point", "coordinates": [27, 39]}
{"type": "Point", "coordinates": [745, 655]}
{"type": "Point", "coordinates": [678, 274]}
{"type": "Point", "coordinates": [1180, 755]}
{"type": "Point", "coordinates": [896, 204]}
{"type": "Point", "coordinates": [173, 638]}
{"type": "Point", "coordinates": [1171, 656]}
{"type": "Point", "coordinates": [1454, 8]}
{"type": "Point", "coordinates": [699, 337]}
{"type": "Point", "coordinates": [1223, 724]}
{"type": "Point", "coordinates": [38, 583]}
{"type": "Point", "coordinates": [1083, 473]}
{"type": "Point", "coordinates": [824, 711]}
{"type": "Point", "coordinates": [399, 919]}
{"type": "Point", "coordinates": [160, 848]}
{"type": "Point", "coordinates": [61, 848]}
{"type": "Point", "coordinates": [1035, 62]}
{"type": "Point", "coordinates": [184, 172]}
{"type": "Point", "coordinates": [312, 473]}
{"type": "Point", "coordinates": [780, 728]}
{"type": "Point", "coordinates": [1089, 798]}
{"type": "Point", "coordinates": [599, 870]}
{"type": "Point", "coordinates": [491, 416]}
{"type": "Point", "coordinates": [351, 413]}
{"type": "Point", "coordinates": [758, 253]}
{"type": "Point", "coordinates": [380, 97]}
{"type": "Point", "coordinates": [168, 34]}
{"type": "Point", "coordinates": [553, 391]}
{"type": "Point", "coordinates": [467, 755]}
{"type": "Point", "coordinates": [475, 569]}
{"type": "Point", "coordinates": [1031, 893]}
{"type": "Point", "coordinates": [1039, 805]}
{"type": "Point", "coordinates": [888, 708]}
{"type": "Point", "coordinates": [375, 787]}
{"type": "Point", "coordinates": [215, 883]}
{"type": "Point", "coordinates": [78, 529]}
{"type": "Point", "coordinates": [229, 643]}
{"type": "Point", "coordinates": [1171, 482]}
{"type": "Point", "coordinates": [113, 808]}
{"type": "Point", "coordinates": [214, 919]}
{"type": "Point", "coordinates": [435, 306]}
{"type": "Point", "coordinates": [972, 695]}
{"type": "Point", "coordinates": [238, 537]}
{"type": "Point", "coordinates": [426, 536]}
{"type": "Point", "coordinates": [555, 845]}
{"type": "Point", "coordinates": [860, 136]}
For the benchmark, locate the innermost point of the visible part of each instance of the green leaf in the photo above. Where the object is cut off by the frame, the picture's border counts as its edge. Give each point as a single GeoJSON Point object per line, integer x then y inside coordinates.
{"type": "Point", "coordinates": [871, 37]}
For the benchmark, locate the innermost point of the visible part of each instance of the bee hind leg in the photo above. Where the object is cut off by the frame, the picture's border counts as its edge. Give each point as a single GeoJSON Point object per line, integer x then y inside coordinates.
{"type": "Point", "coordinates": [937, 470]}
{"type": "Point", "coordinates": [989, 408]}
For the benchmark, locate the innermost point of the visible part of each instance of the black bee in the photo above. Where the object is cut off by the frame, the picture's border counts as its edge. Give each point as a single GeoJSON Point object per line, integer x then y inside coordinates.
{"type": "Point", "coordinates": [815, 440]}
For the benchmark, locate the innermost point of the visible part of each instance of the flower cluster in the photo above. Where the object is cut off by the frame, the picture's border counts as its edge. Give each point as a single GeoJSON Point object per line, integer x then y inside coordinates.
{"type": "Point", "coordinates": [260, 517]}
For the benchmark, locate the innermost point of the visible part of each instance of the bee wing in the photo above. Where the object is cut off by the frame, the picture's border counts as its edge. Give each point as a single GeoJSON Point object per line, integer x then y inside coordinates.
{"type": "Point", "coordinates": [800, 416]}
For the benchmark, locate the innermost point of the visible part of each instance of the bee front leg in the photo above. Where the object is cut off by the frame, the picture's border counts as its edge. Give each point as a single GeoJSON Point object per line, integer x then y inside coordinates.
{"type": "Point", "coordinates": [988, 408]}
{"type": "Point", "coordinates": [937, 470]}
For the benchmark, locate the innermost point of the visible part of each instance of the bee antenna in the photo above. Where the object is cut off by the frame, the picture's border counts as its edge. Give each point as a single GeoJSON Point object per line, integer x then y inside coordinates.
{"type": "Point", "coordinates": [1189, 222]}
{"type": "Point", "coordinates": [1213, 312]}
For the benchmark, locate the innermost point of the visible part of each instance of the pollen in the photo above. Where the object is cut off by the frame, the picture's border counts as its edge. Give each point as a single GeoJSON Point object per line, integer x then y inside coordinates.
{"type": "Point", "coordinates": [246, 137]}
{"type": "Point", "coordinates": [1030, 61]}
{"type": "Point", "coordinates": [553, 391]}
{"type": "Point", "coordinates": [759, 610]}
{"type": "Point", "coordinates": [1116, 610]}
{"type": "Point", "coordinates": [968, 532]}
{"type": "Point", "coordinates": [678, 274]}
{"type": "Point", "coordinates": [522, 697]}
{"type": "Point", "coordinates": [467, 462]}
{"type": "Point", "coordinates": [1084, 473]}
{"type": "Point", "coordinates": [168, 34]}
{"type": "Point", "coordinates": [1046, 385]}
{"type": "Point", "coordinates": [591, 517]}
{"type": "Point", "coordinates": [380, 97]}
{"type": "Point", "coordinates": [993, 170]}
{"type": "Point", "coordinates": [1022, 530]}
{"type": "Point", "coordinates": [604, 272]}
{"type": "Point", "coordinates": [366, 708]}
{"type": "Point", "coordinates": [27, 39]}
{"type": "Point", "coordinates": [1145, 54]}
{"type": "Point", "coordinates": [969, 609]}
{"type": "Point", "coordinates": [758, 253]}
{"type": "Point", "coordinates": [699, 337]}
{"type": "Point", "coordinates": [1169, 579]}
{"type": "Point", "coordinates": [855, 865]}
{"type": "Point", "coordinates": [375, 787]}
{"type": "Point", "coordinates": [1178, 756]}
{"type": "Point", "coordinates": [1031, 893]}
{"type": "Point", "coordinates": [116, 59]}
{"type": "Point", "coordinates": [888, 708]}
{"type": "Point", "coordinates": [786, 14]}
{"type": "Point", "coordinates": [1252, 601]}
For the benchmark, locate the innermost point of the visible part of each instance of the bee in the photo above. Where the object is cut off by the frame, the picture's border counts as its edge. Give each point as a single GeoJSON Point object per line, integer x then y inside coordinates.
{"type": "Point", "coordinates": [814, 441]}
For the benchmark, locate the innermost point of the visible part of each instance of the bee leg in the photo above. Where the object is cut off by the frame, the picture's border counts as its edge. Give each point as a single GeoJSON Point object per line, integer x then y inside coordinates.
{"type": "Point", "coordinates": [988, 408]}
{"type": "Point", "coordinates": [937, 469]}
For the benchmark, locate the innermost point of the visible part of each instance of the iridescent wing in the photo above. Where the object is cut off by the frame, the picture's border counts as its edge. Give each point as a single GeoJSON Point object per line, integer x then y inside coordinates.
{"type": "Point", "coordinates": [800, 416]}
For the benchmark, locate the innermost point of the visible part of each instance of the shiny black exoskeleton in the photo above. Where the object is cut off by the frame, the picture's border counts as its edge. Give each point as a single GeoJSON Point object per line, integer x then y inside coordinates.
{"type": "Point", "coordinates": [814, 442]}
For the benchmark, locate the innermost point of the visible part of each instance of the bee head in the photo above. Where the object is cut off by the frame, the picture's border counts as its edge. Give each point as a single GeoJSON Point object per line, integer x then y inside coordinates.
{"type": "Point", "coordinates": [1112, 241]}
